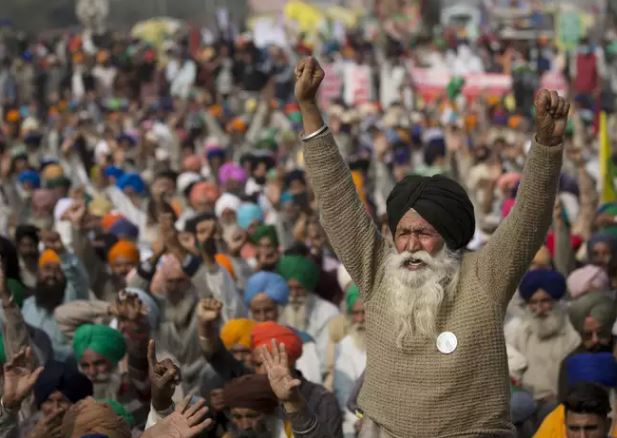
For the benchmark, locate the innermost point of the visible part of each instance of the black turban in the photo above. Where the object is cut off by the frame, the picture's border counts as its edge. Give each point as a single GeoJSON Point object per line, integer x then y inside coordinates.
{"type": "Point", "coordinates": [58, 376]}
{"type": "Point", "coordinates": [441, 201]}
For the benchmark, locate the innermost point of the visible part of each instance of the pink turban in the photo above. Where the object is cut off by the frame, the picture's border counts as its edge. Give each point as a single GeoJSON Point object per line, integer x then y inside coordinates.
{"type": "Point", "coordinates": [506, 207]}
{"type": "Point", "coordinates": [232, 171]}
{"type": "Point", "coordinates": [507, 181]}
{"type": "Point", "coordinates": [587, 279]}
{"type": "Point", "coordinates": [169, 267]}
{"type": "Point", "coordinates": [204, 191]}
{"type": "Point", "coordinates": [192, 163]}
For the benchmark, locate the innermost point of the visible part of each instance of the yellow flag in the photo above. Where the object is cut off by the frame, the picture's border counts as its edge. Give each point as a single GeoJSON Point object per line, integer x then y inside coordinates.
{"type": "Point", "coordinates": [607, 193]}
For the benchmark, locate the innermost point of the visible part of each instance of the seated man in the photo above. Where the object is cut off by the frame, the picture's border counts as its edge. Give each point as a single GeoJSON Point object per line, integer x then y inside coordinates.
{"type": "Point", "coordinates": [306, 311]}
{"type": "Point", "coordinates": [53, 287]}
{"type": "Point", "coordinates": [546, 336]}
{"type": "Point", "coordinates": [322, 403]}
{"type": "Point", "coordinates": [98, 350]}
{"type": "Point", "coordinates": [592, 315]}
{"type": "Point", "coordinates": [584, 413]}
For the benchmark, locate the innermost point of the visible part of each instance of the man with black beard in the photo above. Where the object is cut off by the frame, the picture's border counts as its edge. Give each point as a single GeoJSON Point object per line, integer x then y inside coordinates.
{"type": "Point", "coordinates": [53, 287]}
{"type": "Point", "coordinates": [545, 336]}
{"type": "Point", "coordinates": [592, 315]}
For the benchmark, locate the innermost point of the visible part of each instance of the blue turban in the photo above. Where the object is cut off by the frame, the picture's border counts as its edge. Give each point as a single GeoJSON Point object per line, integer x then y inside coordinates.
{"type": "Point", "coordinates": [114, 171]}
{"type": "Point", "coordinates": [215, 153]}
{"type": "Point", "coordinates": [131, 180]}
{"type": "Point", "coordinates": [599, 368]}
{"type": "Point", "coordinates": [31, 177]}
{"type": "Point", "coordinates": [270, 283]}
{"type": "Point", "coordinates": [552, 282]}
{"type": "Point", "coordinates": [123, 228]}
{"type": "Point", "coordinates": [248, 213]}
{"type": "Point", "coordinates": [58, 376]}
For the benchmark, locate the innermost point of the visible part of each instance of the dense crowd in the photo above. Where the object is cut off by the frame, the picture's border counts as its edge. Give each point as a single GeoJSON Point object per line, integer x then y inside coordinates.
{"type": "Point", "coordinates": [164, 266]}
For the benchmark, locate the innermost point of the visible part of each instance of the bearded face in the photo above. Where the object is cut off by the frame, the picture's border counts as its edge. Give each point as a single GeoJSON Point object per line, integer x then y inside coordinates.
{"type": "Point", "coordinates": [547, 324]}
{"type": "Point", "coordinates": [418, 283]}
{"type": "Point", "coordinates": [50, 287]}
{"type": "Point", "coordinates": [247, 423]}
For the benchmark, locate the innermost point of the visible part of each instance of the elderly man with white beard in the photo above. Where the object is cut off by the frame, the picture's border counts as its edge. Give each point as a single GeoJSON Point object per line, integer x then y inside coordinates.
{"type": "Point", "coordinates": [546, 335]}
{"type": "Point", "coordinates": [436, 356]}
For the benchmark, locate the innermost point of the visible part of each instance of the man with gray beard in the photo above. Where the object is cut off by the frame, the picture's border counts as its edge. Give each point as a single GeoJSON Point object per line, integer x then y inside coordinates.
{"type": "Point", "coordinates": [436, 356]}
{"type": "Point", "coordinates": [545, 336]}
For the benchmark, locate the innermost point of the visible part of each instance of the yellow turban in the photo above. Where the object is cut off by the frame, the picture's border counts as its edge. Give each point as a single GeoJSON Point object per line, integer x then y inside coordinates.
{"type": "Point", "coordinates": [237, 331]}
{"type": "Point", "coordinates": [52, 171]}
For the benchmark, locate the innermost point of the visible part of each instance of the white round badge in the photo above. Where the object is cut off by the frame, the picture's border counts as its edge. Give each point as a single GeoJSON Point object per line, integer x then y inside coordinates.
{"type": "Point", "coordinates": [447, 342]}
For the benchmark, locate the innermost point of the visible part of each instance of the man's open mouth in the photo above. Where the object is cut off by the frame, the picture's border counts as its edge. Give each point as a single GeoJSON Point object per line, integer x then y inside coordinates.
{"type": "Point", "coordinates": [413, 264]}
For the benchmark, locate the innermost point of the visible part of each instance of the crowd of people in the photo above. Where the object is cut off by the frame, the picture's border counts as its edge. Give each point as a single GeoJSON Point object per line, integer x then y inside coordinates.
{"type": "Point", "coordinates": [179, 260]}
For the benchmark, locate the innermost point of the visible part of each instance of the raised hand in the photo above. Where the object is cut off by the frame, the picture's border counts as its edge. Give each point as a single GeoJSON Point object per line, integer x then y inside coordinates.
{"type": "Point", "coordinates": [128, 307]}
{"type": "Point", "coordinates": [238, 240]}
{"type": "Point", "coordinates": [209, 310]}
{"type": "Point", "coordinates": [164, 376]}
{"type": "Point", "coordinates": [76, 214]}
{"type": "Point", "coordinates": [551, 117]}
{"type": "Point", "coordinates": [308, 74]}
{"type": "Point", "coordinates": [185, 422]}
{"type": "Point", "coordinates": [19, 378]}
{"type": "Point", "coordinates": [51, 239]}
{"type": "Point", "coordinates": [284, 385]}
{"type": "Point", "coordinates": [49, 426]}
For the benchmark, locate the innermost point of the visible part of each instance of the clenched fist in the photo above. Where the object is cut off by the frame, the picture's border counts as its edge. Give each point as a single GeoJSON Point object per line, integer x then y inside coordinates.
{"type": "Point", "coordinates": [209, 310]}
{"type": "Point", "coordinates": [309, 75]}
{"type": "Point", "coordinates": [551, 117]}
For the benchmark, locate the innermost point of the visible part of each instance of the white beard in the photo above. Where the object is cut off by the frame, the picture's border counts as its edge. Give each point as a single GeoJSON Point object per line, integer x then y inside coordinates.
{"type": "Point", "coordinates": [548, 326]}
{"type": "Point", "coordinates": [416, 296]}
{"type": "Point", "coordinates": [296, 316]}
{"type": "Point", "coordinates": [107, 386]}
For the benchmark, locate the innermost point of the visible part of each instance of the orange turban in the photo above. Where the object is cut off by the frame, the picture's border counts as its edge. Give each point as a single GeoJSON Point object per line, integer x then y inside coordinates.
{"type": "Point", "coordinates": [264, 332]}
{"type": "Point", "coordinates": [237, 124]}
{"type": "Point", "coordinates": [237, 331]}
{"type": "Point", "coordinates": [49, 257]}
{"type": "Point", "coordinates": [109, 219]}
{"type": "Point", "coordinates": [204, 191]}
{"type": "Point", "coordinates": [13, 116]}
{"type": "Point", "coordinates": [225, 262]}
{"type": "Point", "coordinates": [125, 249]}
{"type": "Point", "coordinates": [358, 181]}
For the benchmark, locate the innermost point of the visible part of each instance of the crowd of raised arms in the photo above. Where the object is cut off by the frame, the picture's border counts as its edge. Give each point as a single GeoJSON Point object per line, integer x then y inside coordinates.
{"type": "Point", "coordinates": [190, 233]}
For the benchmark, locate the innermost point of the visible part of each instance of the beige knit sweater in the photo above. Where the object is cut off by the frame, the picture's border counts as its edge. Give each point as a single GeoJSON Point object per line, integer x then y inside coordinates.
{"type": "Point", "coordinates": [420, 392]}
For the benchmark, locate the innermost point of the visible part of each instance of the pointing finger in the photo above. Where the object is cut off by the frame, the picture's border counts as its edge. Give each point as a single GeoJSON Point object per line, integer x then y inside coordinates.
{"type": "Point", "coordinates": [151, 354]}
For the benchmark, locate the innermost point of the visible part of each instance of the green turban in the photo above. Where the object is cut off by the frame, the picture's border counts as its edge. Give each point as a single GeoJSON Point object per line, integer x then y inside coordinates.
{"type": "Point", "coordinates": [2, 353]}
{"type": "Point", "coordinates": [101, 339]}
{"type": "Point", "coordinates": [17, 289]}
{"type": "Point", "coordinates": [351, 296]}
{"type": "Point", "coordinates": [301, 269]}
{"type": "Point", "coordinates": [268, 231]}
{"type": "Point", "coordinates": [119, 410]}
{"type": "Point", "coordinates": [595, 304]}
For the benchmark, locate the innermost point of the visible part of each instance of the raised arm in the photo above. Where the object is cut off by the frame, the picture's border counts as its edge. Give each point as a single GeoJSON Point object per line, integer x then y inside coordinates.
{"type": "Point", "coordinates": [354, 237]}
{"type": "Point", "coordinates": [505, 258]}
